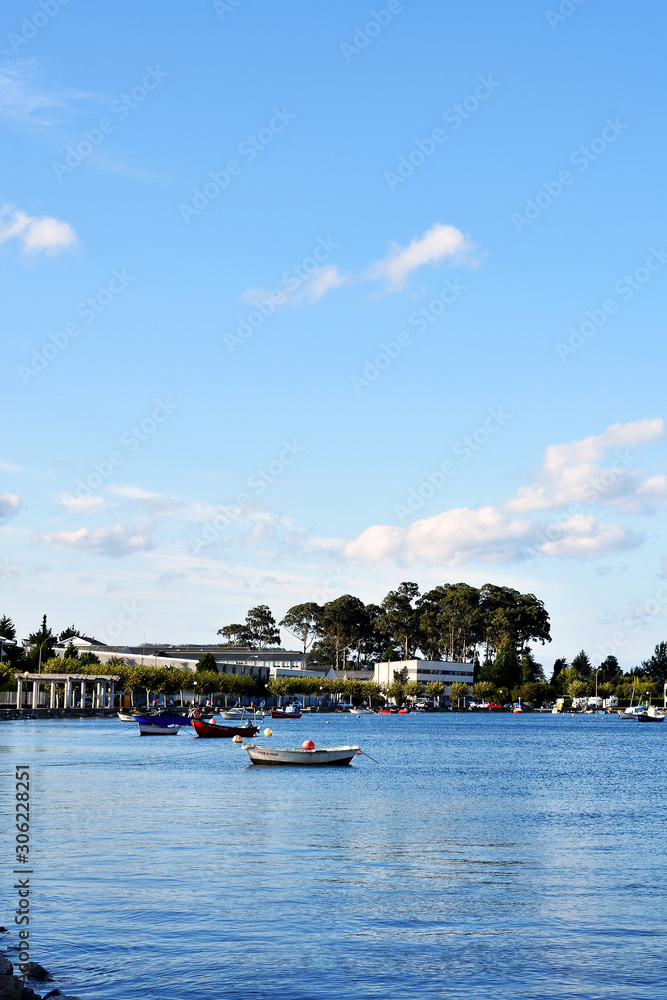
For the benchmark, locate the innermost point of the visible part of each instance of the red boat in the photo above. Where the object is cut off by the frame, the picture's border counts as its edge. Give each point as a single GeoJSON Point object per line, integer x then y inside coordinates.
{"type": "Point", "coordinates": [404, 711]}
{"type": "Point", "coordinates": [276, 713]}
{"type": "Point", "coordinates": [387, 711]}
{"type": "Point", "coordinates": [207, 729]}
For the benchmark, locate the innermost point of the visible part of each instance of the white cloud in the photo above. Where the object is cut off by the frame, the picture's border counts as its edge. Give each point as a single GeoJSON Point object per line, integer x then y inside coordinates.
{"type": "Point", "coordinates": [293, 290]}
{"type": "Point", "coordinates": [434, 245]}
{"type": "Point", "coordinates": [582, 537]}
{"type": "Point", "coordinates": [134, 492]}
{"type": "Point", "coordinates": [571, 474]}
{"type": "Point", "coordinates": [35, 233]}
{"type": "Point", "coordinates": [9, 467]}
{"type": "Point", "coordinates": [117, 541]}
{"type": "Point", "coordinates": [74, 505]}
{"type": "Point", "coordinates": [10, 504]}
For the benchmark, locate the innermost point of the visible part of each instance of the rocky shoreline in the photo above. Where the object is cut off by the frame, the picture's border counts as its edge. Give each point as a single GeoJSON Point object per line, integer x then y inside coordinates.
{"type": "Point", "coordinates": [14, 987]}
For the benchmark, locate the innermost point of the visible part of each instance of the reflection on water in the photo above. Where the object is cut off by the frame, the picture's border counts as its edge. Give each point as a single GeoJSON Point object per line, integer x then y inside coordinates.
{"type": "Point", "coordinates": [522, 855]}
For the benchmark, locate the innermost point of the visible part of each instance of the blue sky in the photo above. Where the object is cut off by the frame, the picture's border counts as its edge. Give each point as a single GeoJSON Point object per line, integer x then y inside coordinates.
{"type": "Point", "coordinates": [310, 300]}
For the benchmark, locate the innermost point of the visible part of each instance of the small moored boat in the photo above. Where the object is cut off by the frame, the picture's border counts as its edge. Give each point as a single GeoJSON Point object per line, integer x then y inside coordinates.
{"type": "Point", "coordinates": [206, 730]}
{"type": "Point", "coordinates": [158, 730]}
{"type": "Point", "coordinates": [289, 713]}
{"type": "Point", "coordinates": [126, 717]}
{"type": "Point", "coordinates": [326, 755]}
{"type": "Point", "coordinates": [651, 715]}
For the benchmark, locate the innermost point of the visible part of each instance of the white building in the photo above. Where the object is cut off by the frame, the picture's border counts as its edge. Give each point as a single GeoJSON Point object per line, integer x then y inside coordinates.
{"type": "Point", "coordinates": [445, 671]}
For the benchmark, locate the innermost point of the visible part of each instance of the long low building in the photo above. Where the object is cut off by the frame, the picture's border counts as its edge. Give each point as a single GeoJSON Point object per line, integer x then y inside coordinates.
{"type": "Point", "coordinates": [445, 671]}
{"type": "Point", "coordinates": [261, 664]}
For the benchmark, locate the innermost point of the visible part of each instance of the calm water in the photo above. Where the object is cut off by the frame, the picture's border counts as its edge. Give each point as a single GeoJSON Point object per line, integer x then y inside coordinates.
{"type": "Point", "coordinates": [519, 855]}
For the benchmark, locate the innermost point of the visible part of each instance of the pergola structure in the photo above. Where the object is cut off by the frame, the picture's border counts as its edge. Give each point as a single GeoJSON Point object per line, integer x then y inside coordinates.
{"type": "Point", "coordinates": [103, 689]}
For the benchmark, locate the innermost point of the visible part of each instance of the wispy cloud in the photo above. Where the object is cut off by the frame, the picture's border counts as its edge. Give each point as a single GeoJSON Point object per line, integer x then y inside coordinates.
{"type": "Point", "coordinates": [74, 504]}
{"type": "Point", "coordinates": [9, 467]}
{"type": "Point", "coordinates": [29, 104]}
{"type": "Point", "coordinates": [436, 244]}
{"type": "Point", "coordinates": [35, 233]}
{"type": "Point", "coordinates": [116, 541]}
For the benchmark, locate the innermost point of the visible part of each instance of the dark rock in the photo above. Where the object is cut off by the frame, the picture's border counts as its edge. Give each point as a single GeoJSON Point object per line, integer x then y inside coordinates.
{"type": "Point", "coordinates": [6, 967]}
{"type": "Point", "coordinates": [11, 988]}
{"type": "Point", "coordinates": [38, 972]}
{"type": "Point", "coordinates": [3, 930]}
{"type": "Point", "coordinates": [29, 994]}
{"type": "Point", "coordinates": [53, 993]}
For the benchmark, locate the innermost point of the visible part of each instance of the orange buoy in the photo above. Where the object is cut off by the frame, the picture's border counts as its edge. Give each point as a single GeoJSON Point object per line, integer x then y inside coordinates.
{"type": "Point", "coordinates": [308, 745]}
{"type": "Point", "coordinates": [213, 722]}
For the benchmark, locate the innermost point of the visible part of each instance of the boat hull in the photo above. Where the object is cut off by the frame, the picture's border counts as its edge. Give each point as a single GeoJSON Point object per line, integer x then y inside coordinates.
{"type": "Point", "coordinates": [163, 719]}
{"type": "Point", "coordinates": [328, 756]}
{"type": "Point", "coordinates": [277, 714]}
{"type": "Point", "coordinates": [158, 730]}
{"type": "Point", "coordinates": [207, 730]}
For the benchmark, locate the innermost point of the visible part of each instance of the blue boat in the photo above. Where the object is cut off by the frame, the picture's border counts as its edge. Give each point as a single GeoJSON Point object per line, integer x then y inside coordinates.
{"type": "Point", "coordinates": [163, 719]}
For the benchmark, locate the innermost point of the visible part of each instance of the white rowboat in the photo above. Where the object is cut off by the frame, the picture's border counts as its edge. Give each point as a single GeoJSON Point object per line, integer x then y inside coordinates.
{"type": "Point", "coordinates": [326, 755]}
{"type": "Point", "coordinates": [146, 730]}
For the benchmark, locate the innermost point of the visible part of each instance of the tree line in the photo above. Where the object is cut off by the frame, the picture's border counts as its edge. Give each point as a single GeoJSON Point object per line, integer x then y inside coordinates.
{"type": "Point", "coordinates": [453, 621]}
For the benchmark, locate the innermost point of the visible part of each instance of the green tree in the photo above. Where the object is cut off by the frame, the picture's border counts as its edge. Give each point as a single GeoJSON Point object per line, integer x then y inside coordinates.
{"type": "Point", "coordinates": [235, 635]}
{"type": "Point", "coordinates": [69, 633]}
{"type": "Point", "coordinates": [343, 625]}
{"type": "Point", "coordinates": [261, 627]}
{"type": "Point", "coordinates": [559, 665]}
{"type": "Point", "coordinates": [458, 692]}
{"type": "Point", "coordinates": [483, 691]}
{"type": "Point", "coordinates": [207, 662]}
{"type": "Point", "coordinates": [414, 690]}
{"type": "Point", "coordinates": [582, 664]}
{"type": "Point", "coordinates": [303, 621]}
{"type": "Point", "coordinates": [400, 617]}
{"type": "Point", "coordinates": [42, 642]}
{"type": "Point", "coordinates": [395, 690]}
{"type": "Point", "coordinates": [88, 659]}
{"type": "Point", "coordinates": [71, 652]}
{"type": "Point", "coordinates": [578, 688]}
{"type": "Point", "coordinates": [435, 690]}
{"type": "Point", "coordinates": [7, 627]}
{"type": "Point", "coordinates": [656, 665]}
{"type": "Point", "coordinates": [609, 670]}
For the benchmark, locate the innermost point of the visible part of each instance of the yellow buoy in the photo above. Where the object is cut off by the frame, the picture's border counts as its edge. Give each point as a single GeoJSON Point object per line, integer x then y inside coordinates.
{"type": "Point", "coordinates": [237, 739]}
{"type": "Point", "coordinates": [268, 732]}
